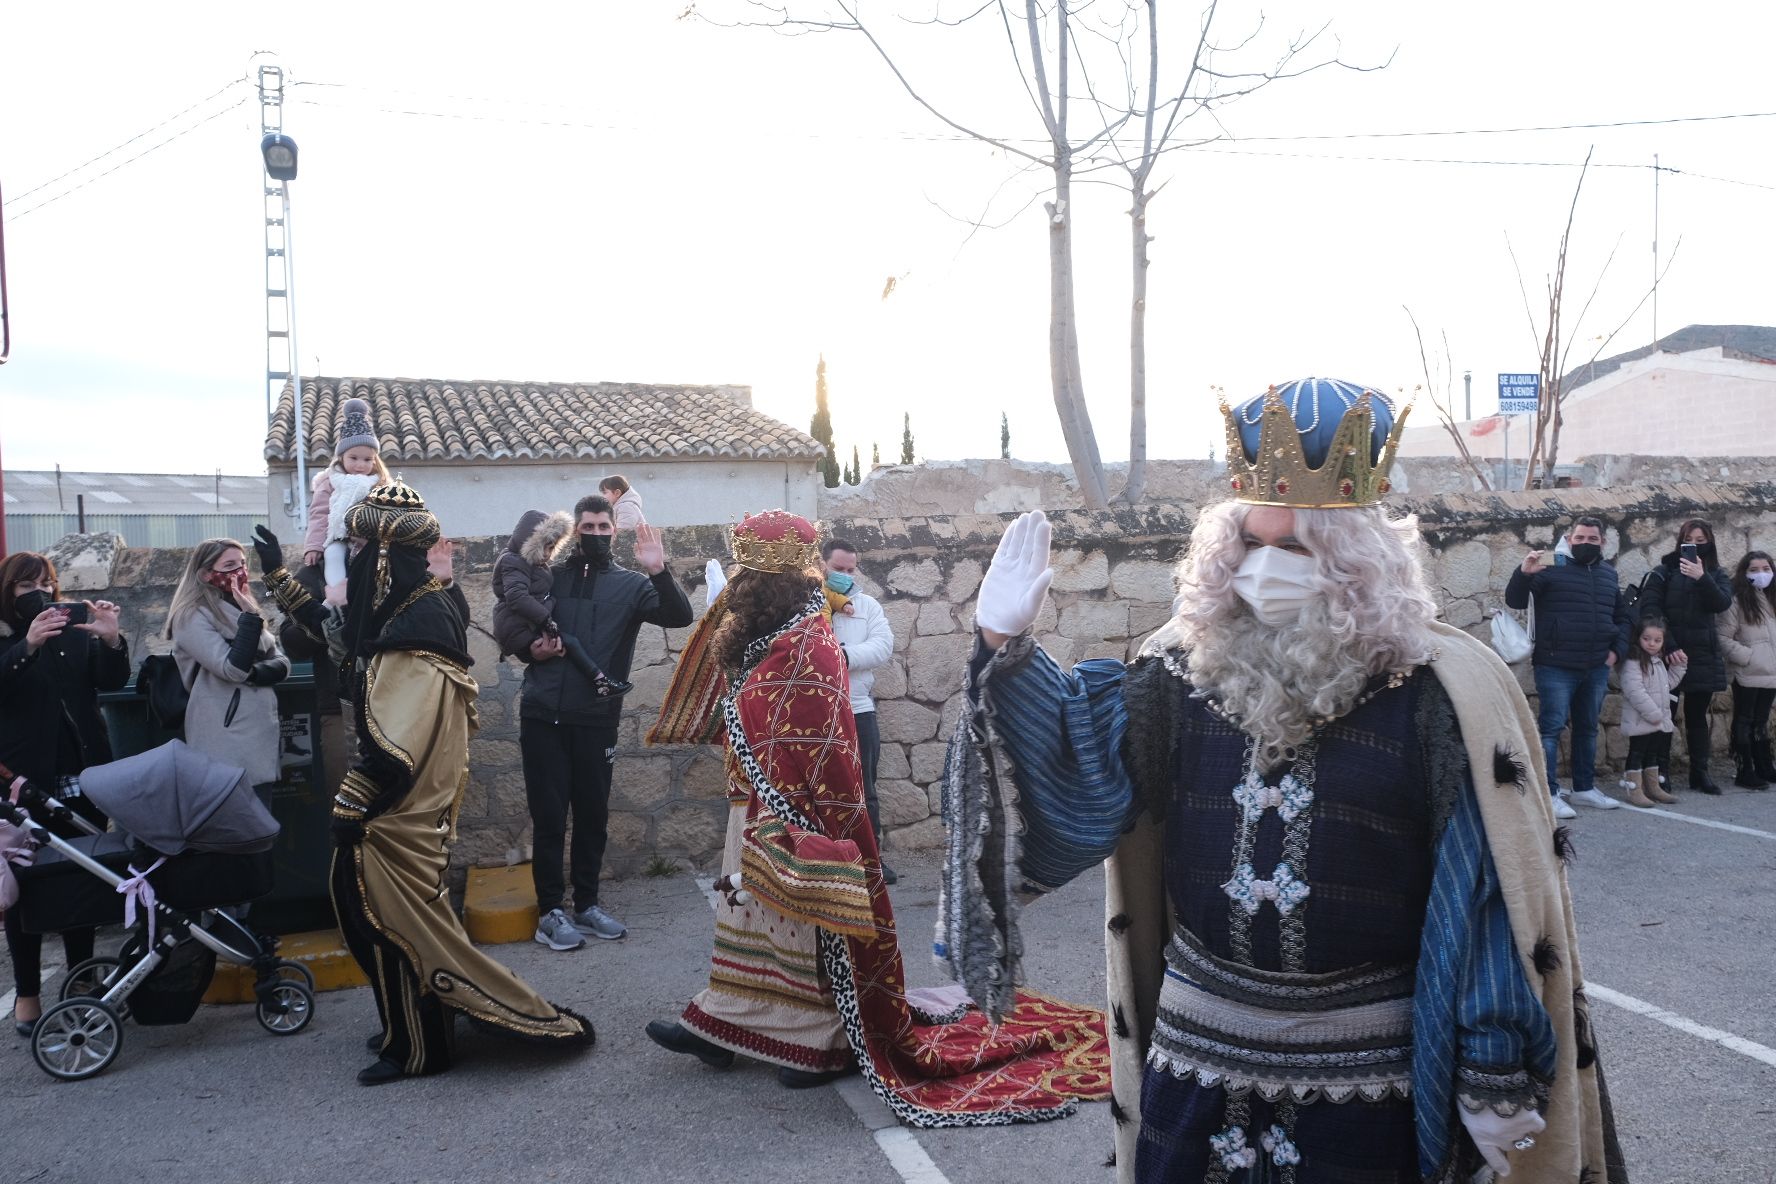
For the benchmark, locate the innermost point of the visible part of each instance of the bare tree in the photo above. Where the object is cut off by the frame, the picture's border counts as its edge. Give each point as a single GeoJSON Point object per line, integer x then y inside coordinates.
{"type": "Point", "coordinates": [1442, 401]}
{"type": "Point", "coordinates": [1557, 339]}
{"type": "Point", "coordinates": [1080, 132]}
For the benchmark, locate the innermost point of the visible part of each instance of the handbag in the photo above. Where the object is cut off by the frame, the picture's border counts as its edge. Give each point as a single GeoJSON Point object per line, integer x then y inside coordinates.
{"type": "Point", "coordinates": [1511, 640]}
{"type": "Point", "coordinates": [160, 683]}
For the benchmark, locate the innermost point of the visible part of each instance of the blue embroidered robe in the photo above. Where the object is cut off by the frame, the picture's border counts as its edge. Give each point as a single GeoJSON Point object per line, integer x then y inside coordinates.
{"type": "Point", "coordinates": [1395, 889]}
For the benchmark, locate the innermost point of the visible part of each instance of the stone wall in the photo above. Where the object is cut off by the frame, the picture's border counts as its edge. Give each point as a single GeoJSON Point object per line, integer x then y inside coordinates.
{"type": "Point", "coordinates": [1113, 587]}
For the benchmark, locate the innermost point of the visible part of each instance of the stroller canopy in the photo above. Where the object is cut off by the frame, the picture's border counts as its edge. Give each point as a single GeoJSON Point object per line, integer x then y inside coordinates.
{"type": "Point", "coordinates": [174, 799]}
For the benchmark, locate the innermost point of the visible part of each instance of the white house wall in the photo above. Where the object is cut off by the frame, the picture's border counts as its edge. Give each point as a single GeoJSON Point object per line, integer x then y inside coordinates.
{"type": "Point", "coordinates": [487, 498]}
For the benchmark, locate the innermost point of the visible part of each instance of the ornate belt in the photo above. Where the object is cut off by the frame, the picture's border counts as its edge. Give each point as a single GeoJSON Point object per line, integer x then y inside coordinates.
{"type": "Point", "coordinates": [1333, 1036]}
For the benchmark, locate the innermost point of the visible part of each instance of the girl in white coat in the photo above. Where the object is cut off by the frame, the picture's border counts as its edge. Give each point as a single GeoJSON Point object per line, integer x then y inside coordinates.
{"type": "Point", "coordinates": [1646, 712]}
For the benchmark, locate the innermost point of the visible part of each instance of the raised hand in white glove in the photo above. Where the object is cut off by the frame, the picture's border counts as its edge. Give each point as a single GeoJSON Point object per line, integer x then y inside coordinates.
{"type": "Point", "coordinates": [1496, 1136]}
{"type": "Point", "coordinates": [1011, 595]}
{"type": "Point", "coordinates": [717, 580]}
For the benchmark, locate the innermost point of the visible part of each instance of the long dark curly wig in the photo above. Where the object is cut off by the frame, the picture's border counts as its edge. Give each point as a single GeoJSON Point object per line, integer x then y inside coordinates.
{"type": "Point", "coordinates": [758, 605]}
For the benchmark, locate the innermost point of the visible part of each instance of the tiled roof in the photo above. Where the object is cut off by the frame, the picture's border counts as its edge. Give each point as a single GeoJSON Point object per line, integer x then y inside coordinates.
{"type": "Point", "coordinates": [422, 419]}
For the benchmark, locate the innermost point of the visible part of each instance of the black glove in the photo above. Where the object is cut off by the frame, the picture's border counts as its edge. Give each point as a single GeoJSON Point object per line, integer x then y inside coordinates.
{"type": "Point", "coordinates": [267, 674]}
{"type": "Point", "coordinates": [269, 550]}
{"type": "Point", "coordinates": [347, 832]}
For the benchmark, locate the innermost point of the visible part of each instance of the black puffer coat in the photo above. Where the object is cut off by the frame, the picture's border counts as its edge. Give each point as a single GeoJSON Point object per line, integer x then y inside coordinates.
{"type": "Point", "coordinates": [1580, 617]}
{"type": "Point", "coordinates": [522, 580]}
{"type": "Point", "coordinates": [605, 606]}
{"type": "Point", "coordinates": [1691, 611]}
{"type": "Point", "coordinates": [50, 724]}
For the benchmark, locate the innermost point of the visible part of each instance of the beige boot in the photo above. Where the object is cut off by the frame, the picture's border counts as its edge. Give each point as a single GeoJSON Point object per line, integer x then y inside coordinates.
{"type": "Point", "coordinates": [1649, 781]}
{"type": "Point", "coordinates": [1637, 795]}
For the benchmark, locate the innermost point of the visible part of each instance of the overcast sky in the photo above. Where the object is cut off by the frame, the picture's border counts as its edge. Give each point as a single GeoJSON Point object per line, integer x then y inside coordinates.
{"type": "Point", "coordinates": [604, 192]}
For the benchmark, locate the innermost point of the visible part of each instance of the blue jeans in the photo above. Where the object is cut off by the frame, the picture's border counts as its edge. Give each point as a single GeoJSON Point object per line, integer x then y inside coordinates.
{"type": "Point", "coordinates": [1575, 695]}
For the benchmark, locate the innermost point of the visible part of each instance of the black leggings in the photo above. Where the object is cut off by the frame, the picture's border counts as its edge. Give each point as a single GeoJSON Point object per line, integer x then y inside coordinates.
{"type": "Point", "coordinates": [1651, 751]}
{"type": "Point", "coordinates": [1695, 724]}
{"type": "Point", "coordinates": [26, 949]}
{"type": "Point", "coordinates": [1751, 714]}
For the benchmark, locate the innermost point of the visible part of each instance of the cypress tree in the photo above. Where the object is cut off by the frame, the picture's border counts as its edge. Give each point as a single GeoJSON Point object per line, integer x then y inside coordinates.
{"type": "Point", "coordinates": [856, 477]}
{"type": "Point", "coordinates": [875, 456]}
{"type": "Point", "coordinates": [906, 438]}
{"type": "Point", "coordinates": [1004, 437]}
{"type": "Point", "coordinates": [821, 429]}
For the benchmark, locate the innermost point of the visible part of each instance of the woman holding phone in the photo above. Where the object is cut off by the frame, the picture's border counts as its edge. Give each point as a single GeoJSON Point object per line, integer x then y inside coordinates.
{"type": "Point", "coordinates": [1689, 594]}
{"type": "Point", "coordinates": [229, 660]}
{"type": "Point", "coordinates": [55, 658]}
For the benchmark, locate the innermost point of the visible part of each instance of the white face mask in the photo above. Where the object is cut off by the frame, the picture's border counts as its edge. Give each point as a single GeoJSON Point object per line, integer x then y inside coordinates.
{"type": "Point", "coordinates": [1759, 579]}
{"type": "Point", "coordinates": [1276, 584]}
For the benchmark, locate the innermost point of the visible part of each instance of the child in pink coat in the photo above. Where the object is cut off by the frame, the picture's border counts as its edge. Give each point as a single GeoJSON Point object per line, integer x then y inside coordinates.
{"type": "Point", "coordinates": [357, 468]}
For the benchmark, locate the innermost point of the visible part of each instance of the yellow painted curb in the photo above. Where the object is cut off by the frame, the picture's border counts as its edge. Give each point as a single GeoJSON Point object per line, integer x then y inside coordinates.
{"type": "Point", "coordinates": [500, 904]}
{"type": "Point", "coordinates": [321, 951]}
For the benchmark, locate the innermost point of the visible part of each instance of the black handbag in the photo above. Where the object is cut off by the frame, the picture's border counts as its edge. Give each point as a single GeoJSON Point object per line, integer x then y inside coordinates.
{"type": "Point", "coordinates": [160, 683]}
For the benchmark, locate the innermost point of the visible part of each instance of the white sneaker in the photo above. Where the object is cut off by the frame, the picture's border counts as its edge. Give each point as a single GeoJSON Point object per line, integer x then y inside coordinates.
{"type": "Point", "coordinates": [1595, 798]}
{"type": "Point", "coordinates": [1563, 811]}
{"type": "Point", "coordinates": [556, 931]}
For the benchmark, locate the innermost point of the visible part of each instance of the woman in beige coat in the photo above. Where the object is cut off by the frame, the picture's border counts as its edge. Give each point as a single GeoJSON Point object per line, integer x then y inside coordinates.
{"type": "Point", "coordinates": [229, 660]}
{"type": "Point", "coordinates": [1748, 641]}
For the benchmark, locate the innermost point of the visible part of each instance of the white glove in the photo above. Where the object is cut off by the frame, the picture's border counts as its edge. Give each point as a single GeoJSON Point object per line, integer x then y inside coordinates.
{"type": "Point", "coordinates": [1011, 595]}
{"type": "Point", "coordinates": [1496, 1136]}
{"type": "Point", "coordinates": [717, 580]}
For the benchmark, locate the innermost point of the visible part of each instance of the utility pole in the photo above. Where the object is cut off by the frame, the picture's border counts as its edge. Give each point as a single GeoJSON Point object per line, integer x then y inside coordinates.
{"type": "Point", "coordinates": [5, 352]}
{"type": "Point", "coordinates": [280, 278]}
{"type": "Point", "coordinates": [1468, 395]}
{"type": "Point", "coordinates": [1655, 252]}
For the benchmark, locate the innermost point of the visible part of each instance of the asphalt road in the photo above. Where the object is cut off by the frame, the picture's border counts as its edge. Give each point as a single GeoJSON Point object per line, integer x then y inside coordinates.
{"type": "Point", "coordinates": [1677, 915]}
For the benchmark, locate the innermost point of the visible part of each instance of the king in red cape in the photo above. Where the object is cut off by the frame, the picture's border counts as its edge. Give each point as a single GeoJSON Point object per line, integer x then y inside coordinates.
{"type": "Point", "coordinates": [806, 970]}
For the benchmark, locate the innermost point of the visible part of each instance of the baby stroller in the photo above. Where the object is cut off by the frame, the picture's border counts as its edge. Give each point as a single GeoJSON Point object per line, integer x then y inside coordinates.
{"type": "Point", "coordinates": [192, 838]}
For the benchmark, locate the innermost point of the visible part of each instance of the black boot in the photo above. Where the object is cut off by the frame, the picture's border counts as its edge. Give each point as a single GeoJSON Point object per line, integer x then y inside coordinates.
{"type": "Point", "coordinates": [1701, 748]}
{"type": "Point", "coordinates": [676, 1038]}
{"type": "Point", "coordinates": [1760, 759]}
{"type": "Point", "coordinates": [1745, 774]}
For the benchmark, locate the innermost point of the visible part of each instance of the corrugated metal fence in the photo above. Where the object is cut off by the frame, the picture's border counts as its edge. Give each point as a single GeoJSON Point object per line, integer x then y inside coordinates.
{"type": "Point", "coordinates": [39, 532]}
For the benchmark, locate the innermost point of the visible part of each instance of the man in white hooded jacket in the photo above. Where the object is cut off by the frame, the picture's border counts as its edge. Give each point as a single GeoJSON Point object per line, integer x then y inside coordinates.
{"type": "Point", "coordinates": [863, 630]}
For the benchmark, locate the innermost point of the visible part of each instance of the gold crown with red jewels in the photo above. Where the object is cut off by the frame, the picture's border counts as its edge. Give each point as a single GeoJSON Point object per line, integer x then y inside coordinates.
{"type": "Point", "coordinates": [776, 541]}
{"type": "Point", "coordinates": [1351, 473]}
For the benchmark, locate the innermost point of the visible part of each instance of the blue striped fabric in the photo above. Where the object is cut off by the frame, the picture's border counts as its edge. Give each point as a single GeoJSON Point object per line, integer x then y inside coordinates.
{"type": "Point", "coordinates": [1064, 734]}
{"type": "Point", "coordinates": [1472, 1004]}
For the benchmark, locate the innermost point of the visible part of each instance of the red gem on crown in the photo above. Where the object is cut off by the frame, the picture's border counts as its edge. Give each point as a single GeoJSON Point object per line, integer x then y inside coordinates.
{"type": "Point", "coordinates": [1386, 486]}
{"type": "Point", "coordinates": [1282, 485]}
{"type": "Point", "coordinates": [1238, 485]}
{"type": "Point", "coordinates": [1347, 487]}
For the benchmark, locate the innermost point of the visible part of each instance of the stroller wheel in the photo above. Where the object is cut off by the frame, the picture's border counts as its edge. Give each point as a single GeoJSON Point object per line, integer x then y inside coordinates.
{"type": "Point", "coordinates": [288, 1010]}
{"type": "Point", "coordinates": [297, 972]}
{"type": "Point", "coordinates": [92, 978]}
{"type": "Point", "coordinates": [76, 1039]}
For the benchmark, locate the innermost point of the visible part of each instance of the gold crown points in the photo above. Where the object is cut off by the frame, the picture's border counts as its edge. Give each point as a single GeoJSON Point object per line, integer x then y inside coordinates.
{"type": "Point", "coordinates": [776, 555]}
{"type": "Point", "coordinates": [396, 495]}
{"type": "Point", "coordinates": [1280, 475]}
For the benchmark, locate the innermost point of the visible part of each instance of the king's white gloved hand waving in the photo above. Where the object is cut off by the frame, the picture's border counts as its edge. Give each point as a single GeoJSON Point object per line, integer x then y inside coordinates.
{"type": "Point", "coordinates": [1496, 1136]}
{"type": "Point", "coordinates": [1011, 594]}
{"type": "Point", "coordinates": [716, 579]}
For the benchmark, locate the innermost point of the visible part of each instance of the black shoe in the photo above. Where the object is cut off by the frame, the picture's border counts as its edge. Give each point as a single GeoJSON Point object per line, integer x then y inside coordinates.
{"type": "Point", "coordinates": [674, 1038]}
{"type": "Point", "coordinates": [1705, 784]}
{"type": "Point", "coordinates": [374, 1044]}
{"type": "Point", "coordinates": [804, 1079]}
{"type": "Point", "coordinates": [381, 1073]}
{"type": "Point", "coordinates": [606, 687]}
{"type": "Point", "coordinates": [24, 1027]}
{"type": "Point", "coordinates": [889, 875]}
{"type": "Point", "coordinates": [1745, 776]}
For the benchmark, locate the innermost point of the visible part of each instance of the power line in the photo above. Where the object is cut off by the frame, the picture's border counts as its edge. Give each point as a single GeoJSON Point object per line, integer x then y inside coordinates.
{"type": "Point", "coordinates": [1511, 131]}
{"type": "Point", "coordinates": [1542, 164]}
{"type": "Point", "coordinates": [129, 160]}
{"type": "Point", "coordinates": [139, 135]}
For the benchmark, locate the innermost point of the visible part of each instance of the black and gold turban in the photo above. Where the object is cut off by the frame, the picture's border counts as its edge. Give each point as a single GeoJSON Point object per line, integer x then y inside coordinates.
{"type": "Point", "coordinates": [393, 515]}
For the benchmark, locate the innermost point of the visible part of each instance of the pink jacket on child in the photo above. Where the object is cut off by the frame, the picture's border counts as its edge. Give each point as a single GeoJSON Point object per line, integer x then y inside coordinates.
{"type": "Point", "coordinates": [1646, 697]}
{"type": "Point", "coordinates": [320, 499]}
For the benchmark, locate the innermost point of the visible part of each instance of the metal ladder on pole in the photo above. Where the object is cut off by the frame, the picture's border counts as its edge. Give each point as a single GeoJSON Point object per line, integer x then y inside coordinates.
{"type": "Point", "coordinates": [279, 328]}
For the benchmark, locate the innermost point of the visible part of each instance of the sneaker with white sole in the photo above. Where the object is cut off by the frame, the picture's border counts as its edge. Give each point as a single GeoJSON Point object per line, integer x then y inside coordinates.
{"type": "Point", "coordinates": [1562, 810]}
{"type": "Point", "coordinates": [1595, 798]}
{"type": "Point", "coordinates": [556, 931]}
{"type": "Point", "coordinates": [595, 922]}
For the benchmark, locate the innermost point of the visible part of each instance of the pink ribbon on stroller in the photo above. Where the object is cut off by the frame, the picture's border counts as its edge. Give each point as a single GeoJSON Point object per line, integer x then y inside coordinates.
{"type": "Point", "coordinates": [138, 889]}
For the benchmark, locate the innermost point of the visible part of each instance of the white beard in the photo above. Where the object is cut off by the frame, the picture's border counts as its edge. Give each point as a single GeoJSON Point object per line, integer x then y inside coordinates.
{"type": "Point", "coordinates": [1277, 681]}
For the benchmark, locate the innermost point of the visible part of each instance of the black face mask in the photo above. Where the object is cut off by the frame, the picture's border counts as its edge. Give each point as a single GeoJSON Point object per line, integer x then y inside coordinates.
{"type": "Point", "coordinates": [596, 547]}
{"type": "Point", "coordinates": [32, 603]}
{"type": "Point", "coordinates": [1585, 554]}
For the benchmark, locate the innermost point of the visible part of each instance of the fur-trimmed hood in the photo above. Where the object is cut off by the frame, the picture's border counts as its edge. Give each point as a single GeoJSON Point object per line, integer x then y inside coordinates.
{"type": "Point", "coordinates": [538, 534]}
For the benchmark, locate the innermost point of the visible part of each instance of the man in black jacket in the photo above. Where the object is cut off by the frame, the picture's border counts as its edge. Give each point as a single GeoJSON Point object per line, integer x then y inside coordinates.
{"type": "Point", "coordinates": [1581, 632]}
{"type": "Point", "coordinates": [567, 730]}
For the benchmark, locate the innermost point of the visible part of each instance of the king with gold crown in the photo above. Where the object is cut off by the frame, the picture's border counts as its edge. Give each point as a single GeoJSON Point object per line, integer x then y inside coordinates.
{"type": "Point", "coordinates": [1338, 932]}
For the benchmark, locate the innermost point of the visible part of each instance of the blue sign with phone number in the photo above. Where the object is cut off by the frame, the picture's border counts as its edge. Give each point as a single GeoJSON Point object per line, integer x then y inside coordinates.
{"type": "Point", "coordinates": [1519, 393]}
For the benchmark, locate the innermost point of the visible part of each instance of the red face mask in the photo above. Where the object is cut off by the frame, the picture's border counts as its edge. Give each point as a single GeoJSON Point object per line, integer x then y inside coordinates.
{"type": "Point", "coordinates": [227, 581]}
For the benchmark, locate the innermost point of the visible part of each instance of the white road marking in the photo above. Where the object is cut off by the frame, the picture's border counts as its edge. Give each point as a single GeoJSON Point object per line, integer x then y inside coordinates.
{"type": "Point", "coordinates": [1727, 826]}
{"type": "Point", "coordinates": [1652, 1011]}
{"type": "Point", "coordinates": [899, 1146]}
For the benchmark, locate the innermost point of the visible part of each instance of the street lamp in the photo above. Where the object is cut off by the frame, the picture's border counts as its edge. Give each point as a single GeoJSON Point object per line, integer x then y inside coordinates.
{"type": "Point", "coordinates": [279, 151]}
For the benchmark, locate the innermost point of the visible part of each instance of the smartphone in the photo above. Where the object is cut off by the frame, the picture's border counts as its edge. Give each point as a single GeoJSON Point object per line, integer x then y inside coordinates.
{"type": "Point", "coordinates": [76, 610]}
{"type": "Point", "coordinates": [1688, 551]}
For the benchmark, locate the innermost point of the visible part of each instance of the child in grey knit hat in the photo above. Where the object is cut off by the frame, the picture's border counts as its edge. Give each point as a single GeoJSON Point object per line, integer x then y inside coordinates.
{"type": "Point", "coordinates": [357, 468]}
